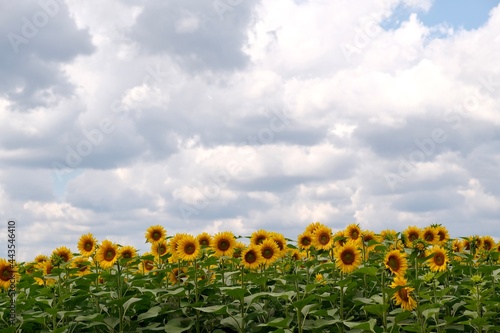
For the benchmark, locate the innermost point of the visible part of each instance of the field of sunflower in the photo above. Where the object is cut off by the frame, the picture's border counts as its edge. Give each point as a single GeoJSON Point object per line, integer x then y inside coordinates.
{"type": "Point", "coordinates": [416, 280]}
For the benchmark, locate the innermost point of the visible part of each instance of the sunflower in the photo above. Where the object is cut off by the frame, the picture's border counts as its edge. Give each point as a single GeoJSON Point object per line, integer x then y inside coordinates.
{"type": "Point", "coordinates": [457, 245]}
{"type": "Point", "coordinates": [146, 264]}
{"type": "Point", "coordinates": [443, 235]}
{"type": "Point", "coordinates": [87, 245]}
{"type": "Point", "coordinates": [295, 254]}
{"type": "Point", "coordinates": [223, 244]}
{"type": "Point", "coordinates": [204, 239]}
{"type": "Point", "coordinates": [430, 235]}
{"type": "Point", "coordinates": [323, 238]}
{"type": "Point", "coordinates": [439, 259]}
{"type": "Point", "coordinates": [188, 248]}
{"type": "Point", "coordinates": [173, 244]}
{"type": "Point", "coordinates": [340, 238]}
{"type": "Point", "coordinates": [259, 236]}
{"type": "Point", "coordinates": [280, 240]}
{"type": "Point", "coordinates": [353, 232]}
{"type": "Point", "coordinates": [6, 273]}
{"type": "Point", "coordinates": [128, 252]}
{"type": "Point", "coordinates": [238, 249]}
{"type": "Point", "coordinates": [403, 295]}
{"type": "Point", "coordinates": [155, 233]}
{"type": "Point", "coordinates": [41, 258]}
{"type": "Point", "coordinates": [348, 257]}
{"type": "Point", "coordinates": [389, 234]}
{"type": "Point", "coordinates": [251, 257]}
{"type": "Point", "coordinates": [176, 275]}
{"type": "Point", "coordinates": [269, 251]}
{"type": "Point", "coordinates": [411, 234]}
{"type": "Point", "coordinates": [304, 241]}
{"type": "Point", "coordinates": [396, 262]}
{"type": "Point", "coordinates": [82, 264]}
{"type": "Point", "coordinates": [320, 278]}
{"type": "Point", "coordinates": [46, 267]}
{"type": "Point", "coordinates": [313, 226]}
{"type": "Point", "coordinates": [107, 254]}
{"type": "Point", "coordinates": [62, 253]}
{"type": "Point", "coordinates": [160, 248]}
{"type": "Point", "coordinates": [488, 243]}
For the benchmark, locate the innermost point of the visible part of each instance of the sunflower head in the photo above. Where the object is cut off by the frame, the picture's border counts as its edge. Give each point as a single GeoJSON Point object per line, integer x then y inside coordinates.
{"type": "Point", "coordinates": [488, 243]}
{"type": "Point", "coordinates": [204, 239]}
{"type": "Point", "coordinates": [402, 295]}
{"type": "Point", "coordinates": [323, 238]}
{"type": "Point", "coordinates": [295, 254]}
{"type": "Point", "coordinates": [147, 263]}
{"type": "Point", "coordinates": [188, 248]}
{"type": "Point", "coordinates": [41, 258]}
{"type": "Point", "coordinates": [87, 245]}
{"type": "Point", "coordinates": [82, 264]}
{"type": "Point", "coordinates": [61, 254]}
{"type": "Point", "coordinates": [396, 262]}
{"type": "Point", "coordinates": [6, 273]}
{"type": "Point", "coordinates": [353, 232]}
{"type": "Point", "coordinates": [411, 234]}
{"type": "Point", "coordinates": [430, 235]}
{"type": "Point", "coordinates": [223, 244]}
{"type": "Point", "coordinates": [155, 233]}
{"type": "Point", "coordinates": [128, 253]}
{"type": "Point", "coordinates": [160, 248]}
{"type": "Point", "coordinates": [259, 236]}
{"type": "Point", "coordinates": [270, 251]}
{"type": "Point", "coordinates": [348, 257]}
{"type": "Point", "coordinates": [304, 241]}
{"type": "Point", "coordinates": [280, 240]}
{"type": "Point", "coordinates": [438, 259]}
{"type": "Point", "coordinates": [339, 238]}
{"type": "Point", "coordinates": [251, 257]}
{"type": "Point", "coordinates": [313, 226]}
{"type": "Point", "coordinates": [442, 233]}
{"type": "Point", "coordinates": [176, 275]}
{"type": "Point", "coordinates": [107, 254]}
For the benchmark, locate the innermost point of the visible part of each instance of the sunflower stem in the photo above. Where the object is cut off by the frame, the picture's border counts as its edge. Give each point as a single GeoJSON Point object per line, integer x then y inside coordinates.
{"type": "Point", "coordinates": [196, 296]}
{"type": "Point", "coordinates": [384, 302]}
{"type": "Point", "coordinates": [341, 301]}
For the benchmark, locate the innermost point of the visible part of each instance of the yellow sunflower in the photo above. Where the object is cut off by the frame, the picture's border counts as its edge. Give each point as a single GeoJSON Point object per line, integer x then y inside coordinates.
{"type": "Point", "coordinates": [257, 237]}
{"type": "Point", "coordinates": [403, 295]}
{"type": "Point", "coordinates": [238, 248]}
{"type": "Point", "coordinates": [439, 259]}
{"type": "Point", "coordinates": [41, 258]}
{"type": "Point", "coordinates": [82, 264]}
{"type": "Point", "coordinates": [304, 241]}
{"type": "Point", "coordinates": [443, 235]}
{"type": "Point", "coordinates": [176, 275]}
{"type": "Point", "coordinates": [146, 264]}
{"type": "Point", "coordinates": [396, 262]}
{"type": "Point", "coordinates": [128, 252]}
{"type": "Point", "coordinates": [188, 248]}
{"type": "Point", "coordinates": [411, 234]}
{"type": "Point", "coordinates": [488, 243]}
{"type": "Point", "coordinates": [159, 249]}
{"type": "Point", "coordinates": [251, 257]}
{"type": "Point", "coordinates": [320, 278]}
{"type": "Point", "coordinates": [348, 257]}
{"type": "Point", "coordinates": [173, 244]}
{"type": "Point", "coordinates": [389, 234]}
{"type": "Point", "coordinates": [6, 273]}
{"type": "Point", "coordinates": [313, 226]}
{"type": "Point", "coordinates": [107, 254]}
{"type": "Point", "coordinates": [322, 238]}
{"type": "Point", "coordinates": [340, 238]}
{"type": "Point", "coordinates": [155, 233]}
{"type": "Point", "coordinates": [63, 253]}
{"type": "Point", "coordinates": [204, 239]}
{"type": "Point", "coordinates": [280, 240]}
{"type": "Point", "coordinates": [430, 235]}
{"type": "Point", "coordinates": [223, 244]}
{"type": "Point", "coordinates": [457, 245]}
{"type": "Point", "coordinates": [353, 232]}
{"type": "Point", "coordinates": [46, 268]}
{"type": "Point", "coordinates": [87, 245]}
{"type": "Point", "coordinates": [270, 251]}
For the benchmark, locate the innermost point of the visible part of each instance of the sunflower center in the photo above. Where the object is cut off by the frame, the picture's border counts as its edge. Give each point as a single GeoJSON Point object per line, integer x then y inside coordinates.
{"type": "Point", "coordinates": [204, 242]}
{"type": "Point", "coordinates": [280, 245]}
{"type": "Point", "coordinates": [223, 245]}
{"type": "Point", "coordinates": [429, 236]}
{"type": "Point", "coordinates": [6, 273]}
{"type": "Point", "coordinates": [82, 268]}
{"type": "Point", "coordinates": [403, 294]}
{"type": "Point", "coordinates": [88, 246]}
{"type": "Point", "coordinates": [439, 259]}
{"type": "Point", "coordinates": [126, 255]}
{"type": "Point", "coordinates": [189, 249]}
{"type": "Point", "coordinates": [487, 246]}
{"type": "Point", "coordinates": [148, 264]}
{"type": "Point", "coordinates": [156, 235]}
{"type": "Point", "coordinates": [306, 241]}
{"type": "Point", "coordinates": [413, 236]}
{"type": "Point", "coordinates": [267, 253]}
{"type": "Point", "coordinates": [441, 235]}
{"type": "Point", "coordinates": [109, 255]}
{"type": "Point", "coordinates": [324, 239]}
{"type": "Point", "coordinates": [347, 257]}
{"type": "Point", "coordinates": [393, 263]}
{"type": "Point", "coordinates": [354, 235]}
{"type": "Point", "coordinates": [250, 257]}
{"type": "Point", "coordinates": [259, 240]}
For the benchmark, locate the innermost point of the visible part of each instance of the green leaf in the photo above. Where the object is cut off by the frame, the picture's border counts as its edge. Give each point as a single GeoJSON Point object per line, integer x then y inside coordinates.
{"type": "Point", "coordinates": [370, 271]}
{"type": "Point", "coordinates": [235, 322]}
{"type": "Point", "coordinates": [235, 292]}
{"type": "Point", "coordinates": [151, 313]}
{"type": "Point", "coordinates": [365, 326]}
{"type": "Point", "coordinates": [127, 304]}
{"type": "Point", "coordinates": [178, 325]}
{"type": "Point", "coordinates": [215, 309]}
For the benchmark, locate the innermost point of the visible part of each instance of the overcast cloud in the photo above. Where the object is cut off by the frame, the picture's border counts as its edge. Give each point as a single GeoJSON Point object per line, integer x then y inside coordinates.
{"type": "Point", "coordinates": [240, 115]}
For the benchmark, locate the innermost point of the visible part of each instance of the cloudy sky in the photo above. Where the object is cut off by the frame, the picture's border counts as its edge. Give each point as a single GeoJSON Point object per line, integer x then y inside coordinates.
{"type": "Point", "coordinates": [240, 115]}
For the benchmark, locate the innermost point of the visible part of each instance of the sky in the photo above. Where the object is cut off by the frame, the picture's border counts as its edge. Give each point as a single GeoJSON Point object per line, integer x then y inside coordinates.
{"type": "Point", "coordinates": [233, 115]}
